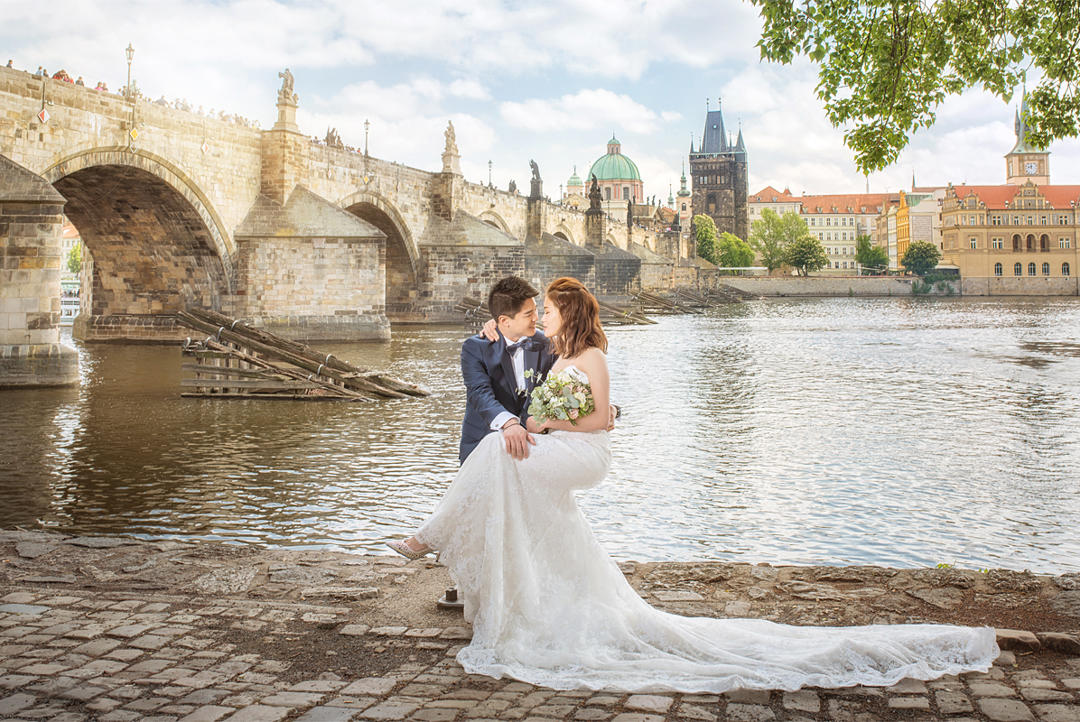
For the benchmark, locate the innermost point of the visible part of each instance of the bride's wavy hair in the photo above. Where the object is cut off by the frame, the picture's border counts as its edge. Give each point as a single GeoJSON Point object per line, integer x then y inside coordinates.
{"type": "Point", "coordinates": [580, 314]}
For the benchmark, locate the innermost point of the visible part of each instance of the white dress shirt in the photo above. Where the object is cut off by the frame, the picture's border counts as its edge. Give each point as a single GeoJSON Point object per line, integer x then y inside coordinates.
{"type": "Point", "coordinates": [517, 357]}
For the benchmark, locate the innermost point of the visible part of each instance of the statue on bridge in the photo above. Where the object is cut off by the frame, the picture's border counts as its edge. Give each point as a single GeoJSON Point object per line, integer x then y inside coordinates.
{"type": "Point", "coordinates": [451, 159]}
{"type": "Point", "coordinates": [286, 95]}
{"type": "Point", "coordinates": [536, 187]}
{"type": "Point", "coordinates": [512, 188]}
{"type": "Point", "coordinates": [451, 139]}
{"type": "Point", "coordinates": [594, 195]}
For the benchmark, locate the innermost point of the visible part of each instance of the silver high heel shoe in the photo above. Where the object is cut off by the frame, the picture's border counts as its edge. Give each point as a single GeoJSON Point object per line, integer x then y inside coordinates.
{"type": "Point", "coordinates": [406, 551]}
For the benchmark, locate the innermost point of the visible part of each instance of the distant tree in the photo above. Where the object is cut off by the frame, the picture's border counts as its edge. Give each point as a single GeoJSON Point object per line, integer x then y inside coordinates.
{"type": "Point", "coordinates": [733, 251]}
{"type": "Point", "coordinates": [806, 254]}
{"type": "Point", "coordinates": [771, 234]}
{"type": "Point", "coordinates": [886, 66]}
{"type": "Point", "coordinates": [873, 259]}
{"type": "Point", "coordinates": [74, 258]}
{"type": "Point", "coordinates": [921, 257]}
{"type": "Point", "coordinates": [706, 236]}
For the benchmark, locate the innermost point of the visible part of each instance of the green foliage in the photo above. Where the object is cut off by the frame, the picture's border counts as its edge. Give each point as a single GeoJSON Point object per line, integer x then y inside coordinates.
{"type": "Point", "coordinates": [771, 234]}
{"type": "Point", "coordinates": [74, 258]}
{"type": "Point", "coordinates": [873, 259]}
{"type": "Point", "coordinates": [885, 65]}
{"type": "Point", "coordinates": [806, 254]}
{"type": "Point", "coordinates": [706, 236]}
{"type": "Point", "coordinates": [733, 251]}
{"type": "Point", "coordinates": [921, 257]}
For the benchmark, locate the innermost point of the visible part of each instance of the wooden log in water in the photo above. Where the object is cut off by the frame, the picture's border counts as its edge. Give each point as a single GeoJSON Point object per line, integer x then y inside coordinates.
{"type": "Point", "coordinates": [298, 350]}
{"type": "Point", "coordinates": [272, 371]}
{"type": "Point", "coordinates": [374, 383]}
{"type": "Point", "coordinates": [355, 384]}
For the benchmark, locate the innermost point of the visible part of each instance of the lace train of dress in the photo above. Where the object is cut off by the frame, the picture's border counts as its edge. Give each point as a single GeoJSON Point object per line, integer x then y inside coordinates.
{"type": "Point", "coordinates": [549, 607]}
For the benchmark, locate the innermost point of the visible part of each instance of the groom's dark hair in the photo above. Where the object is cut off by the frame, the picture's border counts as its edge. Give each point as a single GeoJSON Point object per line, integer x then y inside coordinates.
{"type": "Point", "coordinates": [508, 295]}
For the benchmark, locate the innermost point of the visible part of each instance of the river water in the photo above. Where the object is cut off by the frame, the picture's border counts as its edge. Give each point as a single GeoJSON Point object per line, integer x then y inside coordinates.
{"type": "Point", "coordinates": [820, 431]}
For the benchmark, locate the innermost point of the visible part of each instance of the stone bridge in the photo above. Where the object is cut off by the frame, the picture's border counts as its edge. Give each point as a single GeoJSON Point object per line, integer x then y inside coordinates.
{"type": "Point", "coordinates": [312, 241]}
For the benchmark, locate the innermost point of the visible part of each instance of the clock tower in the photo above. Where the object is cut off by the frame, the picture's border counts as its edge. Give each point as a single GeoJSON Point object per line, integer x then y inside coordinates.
{"type": "Point", "coordinates": [1025, 162]}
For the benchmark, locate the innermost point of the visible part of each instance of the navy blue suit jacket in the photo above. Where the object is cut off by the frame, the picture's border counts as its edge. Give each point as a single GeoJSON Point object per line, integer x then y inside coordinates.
{"type": "Point", "coordinates": [492, 387]}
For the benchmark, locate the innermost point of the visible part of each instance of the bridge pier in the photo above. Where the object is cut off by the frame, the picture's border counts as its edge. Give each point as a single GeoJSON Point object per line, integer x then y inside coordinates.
{"type": "Point", "coordinates": [31, 223]}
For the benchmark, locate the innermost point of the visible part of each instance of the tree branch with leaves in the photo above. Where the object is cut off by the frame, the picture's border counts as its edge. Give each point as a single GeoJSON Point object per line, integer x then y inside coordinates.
{"type": "Point", "coordinates": [885, 65]}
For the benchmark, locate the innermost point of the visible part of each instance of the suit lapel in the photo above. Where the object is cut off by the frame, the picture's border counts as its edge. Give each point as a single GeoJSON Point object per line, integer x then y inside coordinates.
{"type": "Point", "coordinates": [509, 377]}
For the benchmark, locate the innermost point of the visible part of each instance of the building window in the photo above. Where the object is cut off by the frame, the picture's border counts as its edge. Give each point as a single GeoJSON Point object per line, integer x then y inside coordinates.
{"type": "Point", "coordinates": [684, 206]}
{"type": "Point", "coordinates": [844, 264]}
{"type": "Point", "coordinates": [607, 194]}
{"type": "Point", "coordinates": [998, 243]}
{"type": "Point", "coordinates": [1042, 220]}
{"type": "Point", "coordinates": [1046, 269]}
{"type": "Point", "coordinates": [974, 243]}
{"type": "Point", "coordinates": [997, 269]}
{"type": "Point", "coordinates": [1063, 242]}
{"type": "Point", "coordinates": [971, 220]}
{"type": "Point", "coordinates": [995, 220]}
{"type": "Point", "coordinates": [1031, 269]}
{"type": "Point", "coordinates": [626, 193]}
{"type": "Point", "coordinates": [1018, 270]}
{"type": "Point", "coordinates": [836, 264]}
{"type": "Point", "coordinates": [1064, 269]}
{"type": "Point", "coordinates": [1063, 220]}
{"type": "Point", "coordinates": [1031, 220]}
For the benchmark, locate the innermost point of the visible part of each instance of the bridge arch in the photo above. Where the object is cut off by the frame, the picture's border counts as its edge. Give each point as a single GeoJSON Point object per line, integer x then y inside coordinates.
{"type": "Point", "coordinates": [155, 242]}
{"type": "Point", "coordinates": [162, 169]}
{"type": "Point", "coordinates": [402, 253]}
{"type": "Point", "coordinates": [564, 233]}
{"type": "Point", "coordinates": [494, 219]}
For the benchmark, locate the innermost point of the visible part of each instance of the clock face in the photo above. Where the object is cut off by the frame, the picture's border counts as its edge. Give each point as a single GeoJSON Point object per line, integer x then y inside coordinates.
{"type": "Point", "coordinates": [1031, 167]}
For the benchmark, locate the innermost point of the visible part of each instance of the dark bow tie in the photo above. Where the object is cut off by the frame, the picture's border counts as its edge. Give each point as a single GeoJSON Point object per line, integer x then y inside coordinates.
{"type": "Point", "coordinates": [525, 343]}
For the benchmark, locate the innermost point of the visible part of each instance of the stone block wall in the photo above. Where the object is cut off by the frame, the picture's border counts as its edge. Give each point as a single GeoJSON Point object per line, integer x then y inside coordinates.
{"type": "Point", "coordinates": [1020, 286]}
{"type": "Point", "coordinates": [313, 288]}
{"type": "Point", "coordinates": [449, 273]}
{"type": "Point", "coordinates": [30, 256]}
{"type": "Point", "coordinates": [618, 272]}
{"type": "Point", "coordinates": [554, 258]}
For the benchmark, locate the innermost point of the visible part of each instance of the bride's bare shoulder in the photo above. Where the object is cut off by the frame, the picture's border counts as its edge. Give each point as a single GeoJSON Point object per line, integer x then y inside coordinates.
{"type": "Point", "coordinates": [591, 357]}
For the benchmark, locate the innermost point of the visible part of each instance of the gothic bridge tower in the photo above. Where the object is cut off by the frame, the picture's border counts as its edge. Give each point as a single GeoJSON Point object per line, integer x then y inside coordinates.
{"type": "Point", "coordinates": [719, 169]}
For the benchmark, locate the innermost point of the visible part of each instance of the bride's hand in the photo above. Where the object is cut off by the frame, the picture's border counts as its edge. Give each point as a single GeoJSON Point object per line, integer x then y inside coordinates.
{"type": "Point", "coordinates": [533, 427]}
{"type": "Point", "coordinates": [488, 330]}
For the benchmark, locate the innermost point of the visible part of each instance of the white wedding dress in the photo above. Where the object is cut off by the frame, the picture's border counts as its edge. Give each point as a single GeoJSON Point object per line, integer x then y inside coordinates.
{"type": "Point", "coordinates": [548, 606]}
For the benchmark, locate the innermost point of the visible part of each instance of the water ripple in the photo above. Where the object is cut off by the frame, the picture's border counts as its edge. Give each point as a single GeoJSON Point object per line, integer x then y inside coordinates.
{"type": "Point", "coordinates": [827, 431]}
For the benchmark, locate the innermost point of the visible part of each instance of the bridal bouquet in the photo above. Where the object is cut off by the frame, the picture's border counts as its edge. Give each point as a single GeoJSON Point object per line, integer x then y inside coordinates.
{"type": "Point", "coordinates": [564, 396]}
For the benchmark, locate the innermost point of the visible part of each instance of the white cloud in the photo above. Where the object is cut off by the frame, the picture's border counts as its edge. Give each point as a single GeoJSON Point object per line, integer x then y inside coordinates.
{"type": "Point", "coordinates": [469, 89]}
{"type": "Point", "coordinates": [584, 110]}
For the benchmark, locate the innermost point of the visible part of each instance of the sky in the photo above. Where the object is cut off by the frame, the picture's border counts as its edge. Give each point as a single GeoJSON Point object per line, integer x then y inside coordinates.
{"type": "Point", "coordinates": [544, 81]}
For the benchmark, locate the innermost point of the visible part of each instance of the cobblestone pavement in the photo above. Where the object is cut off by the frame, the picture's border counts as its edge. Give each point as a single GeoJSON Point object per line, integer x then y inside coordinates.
{"type": "Point", "coordinates": [80, 649]}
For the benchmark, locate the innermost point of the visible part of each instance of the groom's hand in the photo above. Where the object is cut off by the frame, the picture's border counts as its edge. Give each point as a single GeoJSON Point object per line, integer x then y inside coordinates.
{"type": "Point", "coordinates": [517, 439]}
{"type": "Point", "coordinates": [613, 413]}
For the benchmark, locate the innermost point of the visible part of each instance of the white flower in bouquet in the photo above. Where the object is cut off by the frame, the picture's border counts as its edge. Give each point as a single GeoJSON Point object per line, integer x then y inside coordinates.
{"type": "Point", "coordinates": [564, 396]}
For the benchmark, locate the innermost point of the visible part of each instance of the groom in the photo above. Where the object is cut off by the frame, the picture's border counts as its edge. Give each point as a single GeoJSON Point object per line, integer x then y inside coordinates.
{"type": "Point", "coordinates": [494, 371]}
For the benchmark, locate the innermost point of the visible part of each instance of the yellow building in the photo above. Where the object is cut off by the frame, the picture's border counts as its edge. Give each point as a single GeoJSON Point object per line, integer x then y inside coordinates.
{"type": "Point", "coordinates": [1014, 239]}
{"type": "Point", "coordinates": [903, 226]}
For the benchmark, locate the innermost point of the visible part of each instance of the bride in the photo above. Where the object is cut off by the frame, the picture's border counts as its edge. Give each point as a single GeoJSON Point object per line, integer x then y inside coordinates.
{"type": "Point", "coordinates": [548, 606]}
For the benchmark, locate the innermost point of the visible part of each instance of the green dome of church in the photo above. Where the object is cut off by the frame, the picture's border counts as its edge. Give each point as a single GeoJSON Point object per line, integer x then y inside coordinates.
{"type": "Point", "coordinates": [574, 180]}
{"type": "Point", "coordinates": [613, 165]}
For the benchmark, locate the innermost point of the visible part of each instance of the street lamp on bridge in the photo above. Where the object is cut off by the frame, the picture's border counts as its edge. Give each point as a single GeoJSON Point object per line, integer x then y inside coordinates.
{"type": "Point", "coordinates": [130, 53]}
